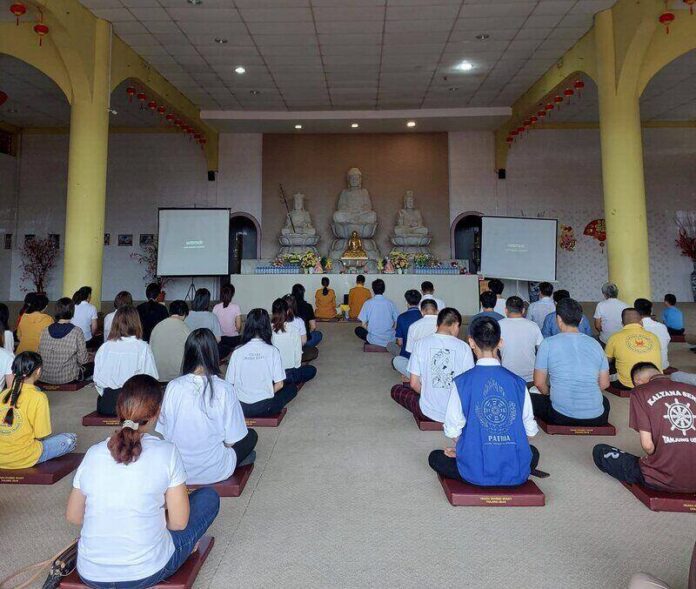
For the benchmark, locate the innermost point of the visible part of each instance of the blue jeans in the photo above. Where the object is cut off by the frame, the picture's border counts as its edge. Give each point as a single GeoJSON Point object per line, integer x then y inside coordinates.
{"type": "Point", "coordinates": [205, 504]}
{"type": "Point", "coordinates": [314, 338]}
{"type": "Point", "coordinates": [301, 374]}
{"type": "Point", "coordinates": [57, 445]}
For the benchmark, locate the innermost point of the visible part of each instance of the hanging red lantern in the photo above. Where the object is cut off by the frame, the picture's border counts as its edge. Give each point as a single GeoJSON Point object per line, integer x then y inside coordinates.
{"type": "Point", "coordinates": [170, 118]}
{"type": "Point", "coordinates": [541, 114]}
{"type": "Point", "coordinates": [514, 132]}
{"type": "Point", "coordinates": [533, 120]}
{"type": "Point", "coordinates": [520, 130]}
{"type": "Point", "coordinates": [527, 123]}
{"type": "Point", "coordinates": [509, 139]}
{"type": "Point", "coordinates": [41, 30]}
{"type": "Point", "coordinates": [3, 97]}
{"type": "Point", "coordinates": [203, 141]}
{"type": "Point", "coordinates": [690, 4]}
{"type": "Point", "coordinates": [131, 92]}
{"type": "Point", "coordinates": [18, 9]}
{"type": "Point", "coordinates": [568, 92]}
{"type": "Point", "coordinates": [549, 107]}
{"type": "Point", "coordinates": [142, 97]}
{"type": "Point", "coordinates": [579, 84]}
{"type": "Point", "coordinates": [161, 110]}
{"type": "Point", "coordinates": [178, 123]}
{"type": "Point", "coordinates": [666, 19]}
{"type": "Point", "coordinates": [152, 105]}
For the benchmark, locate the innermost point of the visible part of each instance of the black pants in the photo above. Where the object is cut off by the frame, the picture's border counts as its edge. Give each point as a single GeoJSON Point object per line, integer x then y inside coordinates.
{"type": "Point", "coordinates": [95, 342]}
{"type": "Point", "coordinates": [223, 349]}
{"type": "Point", "coordinates": [106, 403]}
{"type": "Point", "coordinates": [675, 331]}
{"type": "Point", "coordinates": [447, 467]}
{"type": "Point", "coordinates": [621, 465]}
{"type": "Point", "coordinates": [86, 371]}
{"type": "Point", "coordinates": [309, 353]}
{"type": "Point", "coordinates": [271, 406]}
{"type": "Point", "coordinates": [361, 332]}
{"type": "Point", "coordinates": [541, 404]}
{"type": "Point", "coordinates": [617, 384]}
{"type": "Point", "coordinates": [230, 341]}
{"type": "Point", "coordinates": [301, 374]}
{"type": "Point", "coordinates": [245, 446]}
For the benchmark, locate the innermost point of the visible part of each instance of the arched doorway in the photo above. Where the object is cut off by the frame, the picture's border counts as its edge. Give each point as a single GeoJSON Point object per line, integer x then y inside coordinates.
{"type": "Point", "coordinates": [244, 240]}
{"type": "Point", "coordinates": [466, 239]}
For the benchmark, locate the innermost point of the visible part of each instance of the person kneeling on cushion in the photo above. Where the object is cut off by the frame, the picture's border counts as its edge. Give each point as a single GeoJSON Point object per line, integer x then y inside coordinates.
{"type": "Point", "coordinates": [489, 415]}
{"type": "Point", "coordinates": [662, 411]}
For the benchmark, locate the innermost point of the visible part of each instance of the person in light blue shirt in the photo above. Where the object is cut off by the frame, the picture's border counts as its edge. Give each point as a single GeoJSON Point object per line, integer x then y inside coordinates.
{"type": "Point", "coordinates": [571, 372]}
{"type": "Point", "coordinates": [488, 300]}
{"type": "Point", "coordinates": [550, 326]}
{"type": "Point", "coordinates": [672, 317]}
{"type": "Point", "coordinates": [378, 317]}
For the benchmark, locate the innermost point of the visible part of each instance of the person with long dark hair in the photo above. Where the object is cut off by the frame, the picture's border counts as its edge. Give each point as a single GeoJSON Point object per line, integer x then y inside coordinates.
{"type": "Point", "coordinates": [256, 369]}
{"type": "Point", "coordinates": [139, 524]}
{"type": "Point", "coordinates": [306, 313]}
{"type": "Point", "coordinates": [325, 300]}
{"type": "Point", "coordinates": [123, 355]}
{"type": "Point", "coordinates": [152, 311]}
{"type": "Point", "coordinates": [23, 309]}
{"type": "Point", "coordinates": [287, 339]}
{"type": "Point", "coordinates": [121, 299]}
{"type": "Point", "coordinates": [200, 316]}
{"type": "Point", "coordinates": [34, 321]}
{"type": "Point", "coordinates": [230, 317]}
{"type": "Point", "coordinates": [25, 419]}
{"type": "Point", "coordinates": [6, 334]}
{"type": "Point", "coordinates": [202, 416]}
{"type": "Point", "coordinates": [85, 316]}
{"type": "Point", "coordinates": [6, 352]}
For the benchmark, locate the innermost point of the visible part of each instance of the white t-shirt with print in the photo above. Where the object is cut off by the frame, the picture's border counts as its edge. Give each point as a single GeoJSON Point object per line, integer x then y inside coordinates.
{"type": "Point", "coordinates": [609, 311]}
{"type": "Point", "coordinates": [253, 370]}
{"type": "Point", "coordinates": [437, 359]}
{"type": "Point", "coordinates": [425, 326]}
{"type": "Point", "coordinates": [124, 535]}
{"type": "Point", "coordinates": [200, 424]}
{"type": "Point", "coordinates": [6, 359]}
{"type": "Point", "coordinates": [85, 313]}
{"type": "Point", "coordinates": [520, 340]}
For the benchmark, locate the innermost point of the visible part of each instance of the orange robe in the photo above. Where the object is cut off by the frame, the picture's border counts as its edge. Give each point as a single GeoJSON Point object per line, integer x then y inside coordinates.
{"type": "Point", "coordinates": [325, 305]}
{"type": "Point", "coordinates": [356, 299]}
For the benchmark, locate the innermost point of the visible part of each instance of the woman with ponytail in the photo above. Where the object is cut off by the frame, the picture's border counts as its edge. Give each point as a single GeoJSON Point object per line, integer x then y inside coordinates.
{"type": "Point", "coordinates": [25, 420]}
{"type": "Point", "coordinates": [139, 525]}
{"type": "Point", "coordinates": [305, 311]}
{"type": "Point", "coordinates": [325, 301]}
{"type": "Point", "coordinates": [202, 416]}
{"type": "Point", "coordinates": [85, 316]}
{"type": "Point", "coordinates": [34, 321]}
{"type": "Point", "coordinates": [287, 339]}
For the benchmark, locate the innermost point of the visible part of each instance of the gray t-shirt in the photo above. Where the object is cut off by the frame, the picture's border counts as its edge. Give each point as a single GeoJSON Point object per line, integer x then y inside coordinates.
{"type": "Point", "coordinates": [204, 319]}
{"type": "Point", "coordinates": [167, 344]}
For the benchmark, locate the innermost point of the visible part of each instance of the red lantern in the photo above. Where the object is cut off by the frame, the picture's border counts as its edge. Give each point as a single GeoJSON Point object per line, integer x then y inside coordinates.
{"type": "Point", "coordinates": [170, 118]}
{"type": "Point", "coordinates": [3, 97]}
{"type": "Point", "coordinates": [666, 19]}
{"type": "Point", "coordinates": [579, 84]}
{"type": "Point", "coordinates": [203, 141]}
{"type": "Point", "coordinates": [178, 122]}
{"type": "Point", "coordinates": [527, 122]}
{"type": "Point", "coordinates": [690, 4]}
{"type": "Point", "coordinates": [41, 30]}
{"type": "Point", "coordinates": [541, 114]}
{"type": "Point", "coordinates": [152, 105]}
{"type": "Point", "coordinates": [568, 92]}
{"type": "Point", "coordinates": [597, 229]}
{"type": "Point", "coordinates": [514, 132]}
{"type": "Point", "coordinates": [18, 9]}
{"type": "Point", "coordinates": [131, 92]}
{"type": "Point", "coordinates": [509, 139]}
{"type": "Point", "coordinates": [161, 110]}
{"type": "Point", "coordinates": [520, 130]}
{"type": "Point", "coordinates": [142, 97]}
{"type": "Point", "coordinates": [549, 107]}
{"type": "Point", "coordinates": [533, 120]}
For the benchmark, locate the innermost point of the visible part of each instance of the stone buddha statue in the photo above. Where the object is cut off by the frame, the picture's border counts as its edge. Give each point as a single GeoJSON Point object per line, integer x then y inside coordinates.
{"type": "Point", "coordinates": [298, 221]}
{"type": "Point", "coordinates": [354, 203]}
{"type": "Point", "coordinates": [410, 220]}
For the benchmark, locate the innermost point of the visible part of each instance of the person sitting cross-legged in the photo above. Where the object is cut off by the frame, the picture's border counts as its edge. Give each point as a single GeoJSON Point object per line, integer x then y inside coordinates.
{"type": "Point", "coordinates": [435, 361]}
{"type": "Point", "coordinates": [86, 316]}
{"type": "Point", "coordinates": [521, 338]}
{"type": "Point", "coordinates": [229, 315]}
{"type": "Point", "coordinates": [645, 308]}
{"type": "Point", "coordinates": [425, 326]}
{"type": "Point", "coordinates": [538, 310]}
{"type": "Point", "coordinates": [139, 523]}
{"type": "Point", "coordinates": [202, 417]}
{"type": "Point", "coordinates": [200, 316]}
{"type": "Point", "coordinates": [662, 412]}
{"type": "Point", "coordinates": [309, 352]}
{"type": "Point", "coordinates": [428, 292]}
{"type": "Point", "coordinates": [325, 300]}
{"type": "Point", "coordinates": [631, 345]}
{"type": "Point", "coordinates": [607, 316]}
{"type": "Point", "coordinates": [488, 301]}
{"type": "Point", "coordinates": [34, 321]}
{"type": "Point", "coordinates": [305, 311]}
{"type": "Point", "coordinates": [378, 317]}
{"type": "Point", "coordinates": [550, 326]}
{"type": "Point", "coordinates": [168, 340]}
{"type": "Point", "coordinates": [256, 369]}
{"type": "Point", "coordinates": [286, 338]}
{"type": "Point", "coordinates": [121, 299]}
{"type": "Point", "coordinates": [672, 317]}
{"type": "Point", "coordinates": [489, 416]}
{"type": "Point", "coordinates": [571, 372]}
{"type": "Point", "coordinates": [152, 311]}
{"type": "Point", "coordinates": [403, 323]}
{"type": "Point", "coordinates": [357, 297]}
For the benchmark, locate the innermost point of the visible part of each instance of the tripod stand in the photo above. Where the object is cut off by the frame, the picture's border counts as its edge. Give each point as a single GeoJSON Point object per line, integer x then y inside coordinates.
{"type": "Point", "coordinates": [191, 292]}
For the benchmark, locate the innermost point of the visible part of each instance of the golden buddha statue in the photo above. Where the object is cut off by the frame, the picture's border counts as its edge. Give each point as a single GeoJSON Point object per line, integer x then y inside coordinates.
{"type": "Point", "coordinates": [355, 247]}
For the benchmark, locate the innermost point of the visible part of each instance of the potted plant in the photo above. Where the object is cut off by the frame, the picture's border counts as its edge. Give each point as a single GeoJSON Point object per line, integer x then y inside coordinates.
{"type": "Point", "coordinates": [148, 258]}
{"type": "Point", "coordinates": [686, 242]}
{"type": "Point", "coordinates": [39, 256]}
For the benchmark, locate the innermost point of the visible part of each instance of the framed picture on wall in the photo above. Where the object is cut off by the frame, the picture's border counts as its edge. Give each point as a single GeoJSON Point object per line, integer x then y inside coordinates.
{"type": "Point", "coordinates": [107, 239]}
{"type": "Point", "coordinates": [125, 239]}
{"type": "Point", "coordinates": [55, 238]}
{"type": "Point", "coordinates": [146, 239]}
{"type": "Point", "coordinates": [8, 241]}
{"type": "Point", "coordinates": [29, 237]}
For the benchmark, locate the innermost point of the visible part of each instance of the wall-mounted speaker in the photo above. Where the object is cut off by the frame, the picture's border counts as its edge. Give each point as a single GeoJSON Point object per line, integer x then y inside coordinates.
{"type": "Point", "coordinates": [211, 175]}
{"type": "Point", "coordinates": [501, 174]}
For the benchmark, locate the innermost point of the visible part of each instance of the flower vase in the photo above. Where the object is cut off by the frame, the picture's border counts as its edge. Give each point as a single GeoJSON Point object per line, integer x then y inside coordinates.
{"type": "Point", "coordinates": [693, 282]}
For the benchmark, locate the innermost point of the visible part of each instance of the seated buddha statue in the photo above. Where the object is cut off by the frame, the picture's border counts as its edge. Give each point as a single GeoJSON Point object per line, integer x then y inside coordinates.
{"type": "Point", "coordinates": [410, 220]}
{"type": "Point", "coordinates": [298, 221]}
{"type": "Point", "coordinates": [354, 203]}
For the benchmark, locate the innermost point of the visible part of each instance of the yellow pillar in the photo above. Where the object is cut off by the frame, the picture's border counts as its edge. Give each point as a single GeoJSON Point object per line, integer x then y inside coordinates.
{"type": "Point", "coordinates": [86, 200]}
{"type": "Point", "coordinates": [622, 170]}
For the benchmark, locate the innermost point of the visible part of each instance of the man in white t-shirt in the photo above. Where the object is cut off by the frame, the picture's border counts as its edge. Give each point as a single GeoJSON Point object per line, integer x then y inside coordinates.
{"type": "Point", "coordinates": [435, 361]}
{"type": "Point", "coordinates": [6, 360]}
{"type": "Point", "coordinates": [520, 340]}
{"type": "Point", "coordinates": [644, 308]}
{"type": "Point", "coordinates": [428, 292]}
{"type": "Point", "coordinates": [538, 310]}
{"type": "Point", "coordinates": [607, 316]}
{"type": "Point", "coordinates": [425, 326]}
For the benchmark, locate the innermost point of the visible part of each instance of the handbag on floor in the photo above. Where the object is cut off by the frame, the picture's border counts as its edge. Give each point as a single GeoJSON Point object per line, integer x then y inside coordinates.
{"type": "Point", "coordinates": [59, 566]}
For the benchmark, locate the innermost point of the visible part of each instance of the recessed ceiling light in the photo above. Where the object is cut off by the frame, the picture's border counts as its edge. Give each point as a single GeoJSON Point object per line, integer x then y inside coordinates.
{"type": "Point", "coordinates": [298, 126]}
{"type": "Point", "coordinates": [240, 69]}
{"type": "Point", "coordinates": [354, 125]}
{"type": "Point", "coordinates": [482, 36]}
{"type": "Point", "coordinates": [220, 41]}
{"type": "Point", "coordinates": [254, 92]}
{"type": "Point", "coordinates": [453, 89]}
{"type": "Point", "coordinates": [464, 66]}
{"type": "Point", "coordinates": [411, 124]}
{"type": "Point", "coordinates": [195, 2]}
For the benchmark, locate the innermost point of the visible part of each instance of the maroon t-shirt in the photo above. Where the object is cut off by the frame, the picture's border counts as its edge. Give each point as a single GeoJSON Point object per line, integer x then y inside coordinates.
{"type": "Point", "coordinates": [667, 410]}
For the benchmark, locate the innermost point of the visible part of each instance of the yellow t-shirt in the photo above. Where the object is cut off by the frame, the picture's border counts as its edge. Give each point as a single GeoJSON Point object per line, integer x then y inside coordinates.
{"type": "Point", "coordinates": [631, 345]}
{"type": "Point", "coordinates": [19, 442]}
{"type": "Point", "coordinates": [325, 305]}
{"type": "Point", "coordinates": [29, 331]}
{"type": "Point", "coordinates": [357, 297]}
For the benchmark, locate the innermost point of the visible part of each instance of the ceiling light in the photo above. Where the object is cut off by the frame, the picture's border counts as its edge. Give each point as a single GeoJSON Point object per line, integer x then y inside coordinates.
{"type": "Point", "coordinates": [464, 66]}
{"type": "Point", "coordinates": [453, 89]}
{"type": "Point", "coordinates": [298, 126]}
{"type": "Point", "coordinates": [482, 36]}
{"type": "Point", "coordinates": [195, 2]}
{"type": "Point", "coordinates": [220, 41]}
{"type": "Point", "coordinates": [254, 92]}
{"type": "Point", "coordinates": [240, 69]}
{"type": "Point", "coordinates": [411, 124]}
{"type": "Point", "coordinates": [354, 125]}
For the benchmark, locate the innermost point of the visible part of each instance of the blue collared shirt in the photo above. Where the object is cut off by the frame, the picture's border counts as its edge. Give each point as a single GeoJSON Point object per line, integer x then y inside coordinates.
{"type": "Point", "coordinates": [403, 322]}
{"type": "Point", "coordinates": [380, 315]}
{"type": "Point", "coordinates": [551, 327]}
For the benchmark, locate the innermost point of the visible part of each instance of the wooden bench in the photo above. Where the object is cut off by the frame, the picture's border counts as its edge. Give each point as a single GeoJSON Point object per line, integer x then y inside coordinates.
{"type": "Point", "coordinates": [233, 486]}
{"type": "Point", "coordinates": [367, 347]}
{"type": "Point", "coordinates": [182, 579]}
{"type": "Point", "coordinates": [662, 500]}
{"type": "Point", "coordinates": [428, 425]}
{"type": "Point", "coordinates": [46, 473]}
{"type": "Point", "coordinates": [270, 421]}
{"type": "Point", "coordinates": [73, 386]}
{"type": "Point", "coordinates": [464, 495]}
{"type": "Point", "coordinates": [576, 430]}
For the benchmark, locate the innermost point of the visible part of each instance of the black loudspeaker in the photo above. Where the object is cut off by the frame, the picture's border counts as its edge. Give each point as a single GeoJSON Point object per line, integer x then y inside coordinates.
{"type": "Point", "coordinates": [501, 174]}
{"type": "Point", "coordinates": [211, 175]}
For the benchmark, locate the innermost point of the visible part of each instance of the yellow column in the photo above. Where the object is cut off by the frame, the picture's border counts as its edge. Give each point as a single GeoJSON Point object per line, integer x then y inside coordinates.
{"type": "Point", "coordinates": [86, 200]}
{"type": "Point", "coordinates": [622, 170]}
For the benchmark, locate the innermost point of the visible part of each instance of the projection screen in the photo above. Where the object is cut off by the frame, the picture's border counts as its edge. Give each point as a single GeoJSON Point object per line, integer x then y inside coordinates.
{"type": "Point", "coordinates": [193, 242]}
{"type": "Point", "coordinates": [519, 248]}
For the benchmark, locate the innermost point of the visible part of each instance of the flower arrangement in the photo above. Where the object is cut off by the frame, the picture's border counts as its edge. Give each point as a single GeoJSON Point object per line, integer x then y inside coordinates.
{"type": "Point", "coordinates": [148, 258]}
{"type": "Point", "coordinates": [327, 264]}
{"type": "Point", "coordinates": [566, 240]}
{"type": "Point", "coordinates": [686, 235]}
{"type": "Point", "coordinates": [309, 260]}
{"type": "Point", "coordinates": [38, 259]}
{"type": "Point", "coordinates": [399, 260]}
{"type": "Point", "coordinates": [284, 260]}
{"type": "Point", "coordinates": [425, 261]}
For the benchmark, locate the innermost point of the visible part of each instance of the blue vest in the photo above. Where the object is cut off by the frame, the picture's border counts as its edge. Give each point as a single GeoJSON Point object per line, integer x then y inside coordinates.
{"type": "Point", "coordinates": [493, 449]}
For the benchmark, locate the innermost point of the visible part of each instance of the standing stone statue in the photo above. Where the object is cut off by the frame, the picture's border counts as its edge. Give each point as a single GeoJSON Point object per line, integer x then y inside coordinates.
{"type": "Point", "coordinates": [298, 234]}
{"type": "Point", "coordinates": [410, 235]}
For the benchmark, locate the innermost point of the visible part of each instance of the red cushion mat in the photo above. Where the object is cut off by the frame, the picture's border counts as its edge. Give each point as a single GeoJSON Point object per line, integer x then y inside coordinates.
{"type": "Point", "coordinates": [272, 421]}
{"type": "Point", "coordinates": [662, 500]}
{"type": "Point", "coordinates": [45, 473]}
{"type": "Point", "coordinates": [463, 494]}
{"type": "Point", "coordinates": [577, 430]}
{"type": "Point", "coordinates": [233, 486]}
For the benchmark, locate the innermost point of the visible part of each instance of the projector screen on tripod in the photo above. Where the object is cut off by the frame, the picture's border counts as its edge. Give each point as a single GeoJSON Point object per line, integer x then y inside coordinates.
{"type": "Point", "coordinates": [519, 248]}
{"type": "Point", "coordinates": [193, 242]}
